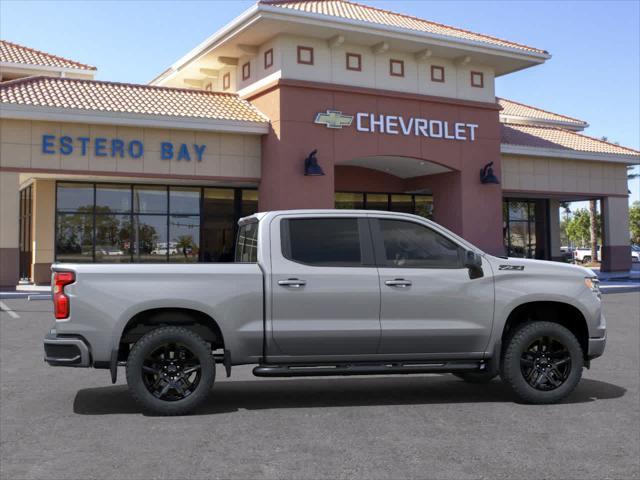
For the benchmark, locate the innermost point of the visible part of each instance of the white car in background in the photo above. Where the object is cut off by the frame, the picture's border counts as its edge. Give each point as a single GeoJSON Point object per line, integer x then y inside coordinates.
{"type": "Point", "coordinates": [583, 255]}
{"type": "Point", "coordinates": [635, 253]}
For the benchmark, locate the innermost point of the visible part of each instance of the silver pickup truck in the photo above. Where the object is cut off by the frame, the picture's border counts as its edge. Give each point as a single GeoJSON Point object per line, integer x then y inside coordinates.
{"type": "Point", "coordinates": [330, 292]}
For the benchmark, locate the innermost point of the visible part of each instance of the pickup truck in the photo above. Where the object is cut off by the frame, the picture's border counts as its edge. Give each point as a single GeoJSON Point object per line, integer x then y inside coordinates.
{"type": "Point", "coordinates": [583, 255]}
{"type": "Point", "coordinates": [330, 292]}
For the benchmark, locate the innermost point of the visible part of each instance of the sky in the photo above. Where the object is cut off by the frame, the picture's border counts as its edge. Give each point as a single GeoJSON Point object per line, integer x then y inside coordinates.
{"type": "Point", "coordinates": [593, 75]}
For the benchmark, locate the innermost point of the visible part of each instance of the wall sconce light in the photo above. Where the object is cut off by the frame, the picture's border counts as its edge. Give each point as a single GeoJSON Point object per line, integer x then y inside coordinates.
{"type": "Point", "coordinates": [311, 167]}
{"type": "Point", "coordinates": [487, 176]}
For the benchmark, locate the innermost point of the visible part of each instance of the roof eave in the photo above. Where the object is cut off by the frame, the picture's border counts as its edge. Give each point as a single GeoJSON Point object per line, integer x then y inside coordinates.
{"type": "Point", "coordinates": [260, 10]}
{"type": "Point", "coordinates": [575, 126]}
{"type": "Point", "coordinates": [75, 115]}
{"type": "Point", "coordinates": [48, 68]}
{"type": "Point", "coordinates": [511, 149]}
{"type": "Point", "coordinates": [278, 11]}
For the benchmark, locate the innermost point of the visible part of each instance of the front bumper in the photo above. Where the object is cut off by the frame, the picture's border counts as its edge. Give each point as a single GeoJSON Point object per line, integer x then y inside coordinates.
{"type": "Point", "coordinates": [66, 351]}
{"type": "Point", "coordinates": [596, 347]}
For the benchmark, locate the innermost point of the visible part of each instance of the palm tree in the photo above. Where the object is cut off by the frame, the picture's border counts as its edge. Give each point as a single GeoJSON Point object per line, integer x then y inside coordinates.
{"type": "Point", "coordinates": [593, 233]}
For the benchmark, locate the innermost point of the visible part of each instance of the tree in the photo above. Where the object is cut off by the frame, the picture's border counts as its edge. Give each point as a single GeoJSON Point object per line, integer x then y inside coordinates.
{"type": "Point", "coordinates": [579, 227]}
{"type": "Point", "coordinates": [634, 222]}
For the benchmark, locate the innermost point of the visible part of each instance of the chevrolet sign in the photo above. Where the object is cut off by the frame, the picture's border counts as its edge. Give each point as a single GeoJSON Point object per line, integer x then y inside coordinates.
{"type": "Point", "coordinates": [334, 119]}
{"type": "Point", "coordinates": [399, 125]}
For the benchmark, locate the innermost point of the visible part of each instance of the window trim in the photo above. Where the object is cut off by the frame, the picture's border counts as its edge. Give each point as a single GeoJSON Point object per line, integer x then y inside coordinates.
{"type": "Point", "coordinates": [246, 71]}
{"type": "Point", "coordinates": [399, 62]}
{"type": "Point", "coordinates": [378, 244]}
{"type": "Point", "coordinates": [480, 75]}
{"type": "Point", "coordinates": [308, 49]}
{"type": "Point", "coordinates": [367, 256]}
{"type": "Point", "coordinates": [358, 56]}
{"type": "Point", "coordinates": [268, 55]}
{"type": "Point", "coordinates": [226, 81]}
{"type": "Point", "coordinates": [435, 68]}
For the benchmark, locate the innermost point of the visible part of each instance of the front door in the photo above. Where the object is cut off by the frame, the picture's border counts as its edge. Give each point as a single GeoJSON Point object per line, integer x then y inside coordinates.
{"type": "Point", "coordinates": [324, 287]}
{"type": "Point", "coordinates": [429, 303]}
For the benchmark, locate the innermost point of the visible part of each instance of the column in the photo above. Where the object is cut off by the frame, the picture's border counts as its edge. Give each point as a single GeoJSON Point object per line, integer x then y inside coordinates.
{"type": "Point", "coordinates": [9, 222]}
{"type": "Point", "coordinates": [616, 249]}
{"type": "Point", "coordinates": [554, 231]}
{"type": "Point", "coordinates": [44, 200]}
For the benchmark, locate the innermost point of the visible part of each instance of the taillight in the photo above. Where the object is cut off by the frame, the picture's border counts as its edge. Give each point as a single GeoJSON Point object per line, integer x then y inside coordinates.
{"type": "Point", "coordinates": [60, 300]}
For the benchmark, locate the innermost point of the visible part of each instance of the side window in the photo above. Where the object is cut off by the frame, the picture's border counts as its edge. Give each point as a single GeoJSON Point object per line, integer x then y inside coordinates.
{"type": "Point", "coordinates": [247, 244]}
{"type": "Point", "coordinates": [329, 242]}
{"type": "Point", "coordinates": [411, 245]}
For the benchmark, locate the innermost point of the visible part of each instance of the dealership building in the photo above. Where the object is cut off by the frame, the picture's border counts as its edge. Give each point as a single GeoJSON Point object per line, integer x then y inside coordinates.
{"type": "Point", "coordinates": [294, 104]}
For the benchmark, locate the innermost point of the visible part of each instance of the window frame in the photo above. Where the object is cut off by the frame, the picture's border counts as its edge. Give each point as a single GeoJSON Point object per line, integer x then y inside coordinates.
{"type": "Point", "coordinates": [480, 75]}
{"type": "Point", "coordinates": [380, 252]}
{"type": "Point", "coordinates": [367, 256]}
{"type": "Point", "coordinates": [439, 68]}
{"type": "Point", "coordinates": [246, 71]}
{"type": "Point", "coordinates": [357, 56]}
{"type": "Point", "coordinates": [302, 48]}
{"type": "Point", "coordinates": [268, 58]}
{"type": "Point", "coordinates": [393, 61]}
{"type": "Point", "coordinates": [226, 81]}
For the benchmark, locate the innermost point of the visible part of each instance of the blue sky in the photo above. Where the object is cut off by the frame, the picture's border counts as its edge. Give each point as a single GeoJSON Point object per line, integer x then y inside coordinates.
{"type": "Point", "coordinates": [594, 73]}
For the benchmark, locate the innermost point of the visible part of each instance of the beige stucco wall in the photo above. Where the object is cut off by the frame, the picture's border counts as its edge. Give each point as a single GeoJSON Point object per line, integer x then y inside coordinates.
{"type": "Point", "coordinates": [534, 174]}
{"type": "Point", "coordinates": [43, 223]}
{"type": "Point", "coordinates": [226, 154]}
{"type": "Point", "coordinates": [330, 67]}
{"type": "Point", "coordinates": [9, 209]}
{"type": "Point", "coordinates": [616, 221]}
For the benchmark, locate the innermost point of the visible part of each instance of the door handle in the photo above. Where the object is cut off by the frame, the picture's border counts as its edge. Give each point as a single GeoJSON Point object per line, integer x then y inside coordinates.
{"type": "Point", "coordinates": [398, 282]}
{"type": "Point", "coordinates": [292, 282]}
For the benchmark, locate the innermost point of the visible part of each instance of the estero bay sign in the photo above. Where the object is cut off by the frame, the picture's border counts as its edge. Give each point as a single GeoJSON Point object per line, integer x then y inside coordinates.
{"type": "Point", "coordinates": [116, 147]}
{"type": "Point", "coordinates": [399, 125]}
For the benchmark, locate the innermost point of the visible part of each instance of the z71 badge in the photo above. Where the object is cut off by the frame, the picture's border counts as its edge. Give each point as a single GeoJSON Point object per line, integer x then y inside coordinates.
{"type": "Point", "coordinates": [511, 267]}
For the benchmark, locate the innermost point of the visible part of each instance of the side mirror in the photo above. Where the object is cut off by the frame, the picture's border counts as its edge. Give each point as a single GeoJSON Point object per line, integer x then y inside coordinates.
{"type": "Point", "coordinates": [473, 261]}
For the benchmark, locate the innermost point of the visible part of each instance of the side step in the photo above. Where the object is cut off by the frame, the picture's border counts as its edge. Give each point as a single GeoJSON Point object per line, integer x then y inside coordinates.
{"type": "Point", "coordinates": [388, 368]}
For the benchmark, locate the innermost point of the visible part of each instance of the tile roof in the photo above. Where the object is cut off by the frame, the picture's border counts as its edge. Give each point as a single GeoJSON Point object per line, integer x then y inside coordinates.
{"type": "Point", "coordinates": [127, 98]}
{"type": "Point", "coordinates": [354, 11]}
{"type": "Point", "coordinates": [14, 53]}
{"type": "Point", "coordinates": [559, 139]}
{"type": "Point", "coordinates": [516, 109]}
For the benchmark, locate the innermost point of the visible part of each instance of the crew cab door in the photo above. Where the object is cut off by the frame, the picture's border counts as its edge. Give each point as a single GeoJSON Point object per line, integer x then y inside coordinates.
{"type": "Point", "coordinates": [429, 304]}
{"type": "Point", "coordinates": [324, 286]}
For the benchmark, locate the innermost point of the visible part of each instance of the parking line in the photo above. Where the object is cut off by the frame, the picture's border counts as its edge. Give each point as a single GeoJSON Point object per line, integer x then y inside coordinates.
{"type": "Point", "coordinates": [4, 308]}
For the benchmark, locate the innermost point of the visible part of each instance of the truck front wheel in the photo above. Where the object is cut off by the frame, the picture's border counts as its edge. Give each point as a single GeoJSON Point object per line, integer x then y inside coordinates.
{"type": "Point", "coordinates": [170, 371]}
{"type": "Point", "coordinates": [542, 362]}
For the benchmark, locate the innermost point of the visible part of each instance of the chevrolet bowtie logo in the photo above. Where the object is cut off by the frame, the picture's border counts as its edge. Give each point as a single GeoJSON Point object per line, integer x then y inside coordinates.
{"type": "Point", "coordinates": [334, 119]}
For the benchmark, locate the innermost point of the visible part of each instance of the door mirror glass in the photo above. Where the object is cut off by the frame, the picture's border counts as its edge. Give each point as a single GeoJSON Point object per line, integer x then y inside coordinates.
{"type": "Point", "coordinates": [473, 261]}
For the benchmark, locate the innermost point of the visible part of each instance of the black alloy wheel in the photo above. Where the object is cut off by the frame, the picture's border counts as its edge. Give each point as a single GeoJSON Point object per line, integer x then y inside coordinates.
{"type": "Point", "coordinates": [171, 372]}
{"type": "Point", "coordinates": [546, 363]}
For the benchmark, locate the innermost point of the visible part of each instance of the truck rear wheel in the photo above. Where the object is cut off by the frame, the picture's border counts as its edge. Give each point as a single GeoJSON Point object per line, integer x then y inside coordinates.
{"type": "Point", "coordinates": [170, 371]}
{"type": "Point", "coordinates": [542, 362]}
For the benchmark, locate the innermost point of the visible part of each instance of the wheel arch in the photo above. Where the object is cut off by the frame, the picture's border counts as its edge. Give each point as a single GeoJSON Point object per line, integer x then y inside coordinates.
{"type": "Point", "coordinates": [146, 320]}
{"type": "Point", "coordinates": [562, 313]}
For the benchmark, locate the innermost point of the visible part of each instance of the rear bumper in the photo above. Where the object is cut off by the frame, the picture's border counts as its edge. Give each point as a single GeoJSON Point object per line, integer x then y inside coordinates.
{"type": "Point", "coordinates": [66, 351]}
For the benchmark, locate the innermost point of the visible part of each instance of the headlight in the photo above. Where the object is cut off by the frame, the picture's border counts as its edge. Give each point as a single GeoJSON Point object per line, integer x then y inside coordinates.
{"type": "Point", "coordinates": [593, 284]}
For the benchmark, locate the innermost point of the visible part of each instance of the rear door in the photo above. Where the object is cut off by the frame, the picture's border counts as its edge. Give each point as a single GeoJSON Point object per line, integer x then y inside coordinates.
{"type": "Point", "coordinates": [324, 286]}
{"type": "Point", "coordinates": [429, 304]}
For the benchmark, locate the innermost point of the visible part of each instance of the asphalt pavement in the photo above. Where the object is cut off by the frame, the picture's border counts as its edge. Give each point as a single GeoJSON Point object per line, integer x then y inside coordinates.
{"type": "Point", "coordinates": [60, 423]}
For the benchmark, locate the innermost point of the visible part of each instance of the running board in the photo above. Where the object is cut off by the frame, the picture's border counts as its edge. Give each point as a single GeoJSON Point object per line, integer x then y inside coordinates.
{"type": "Point", "coordinates": [389, 368]}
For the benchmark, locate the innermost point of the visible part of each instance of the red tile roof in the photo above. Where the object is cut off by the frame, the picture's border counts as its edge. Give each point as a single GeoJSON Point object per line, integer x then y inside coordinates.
{"type": "Point", "coordinates": [14, 53]}
{"type": "Point", "coordinates": [127, 98]}
{"type": "Point", "coordinates": [354, 11]}
{"type": "Point", "coordinates": [559, 139]}
{"type": "Point", "coordinates": [517, 109]}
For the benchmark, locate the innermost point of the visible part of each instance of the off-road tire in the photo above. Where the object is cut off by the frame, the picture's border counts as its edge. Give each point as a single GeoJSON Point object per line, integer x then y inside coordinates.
{"type": "Point", "coordinates": [155, 339]}
{"type": "Point", "coordinates": [516, 344]}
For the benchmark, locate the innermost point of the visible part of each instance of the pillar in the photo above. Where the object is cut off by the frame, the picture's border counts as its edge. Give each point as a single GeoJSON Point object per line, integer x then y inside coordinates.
{"type": "Point", "coordinates": [554, 231]}
{"type": "Point", "coordinates": [44, 200]}
{"type": "Point", "coordinates": [9, 222]}
{"type": "Point", "coordinates": [616, 249]}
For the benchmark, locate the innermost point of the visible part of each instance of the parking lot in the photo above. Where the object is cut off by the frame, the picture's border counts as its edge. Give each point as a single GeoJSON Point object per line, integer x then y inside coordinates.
{"type": "Point", "coordinates": [72, 423]}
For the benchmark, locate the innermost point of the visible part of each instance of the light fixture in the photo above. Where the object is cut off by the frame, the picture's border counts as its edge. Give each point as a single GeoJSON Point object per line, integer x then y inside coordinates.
{"type": "Point", "coordinates": [311, 167]}
{"type": "Point", "coordinates": [487, 176]}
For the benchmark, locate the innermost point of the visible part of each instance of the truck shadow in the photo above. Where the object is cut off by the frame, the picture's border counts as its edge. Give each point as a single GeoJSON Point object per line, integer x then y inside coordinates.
{"type": "Point", "coordinates": [230, 396]}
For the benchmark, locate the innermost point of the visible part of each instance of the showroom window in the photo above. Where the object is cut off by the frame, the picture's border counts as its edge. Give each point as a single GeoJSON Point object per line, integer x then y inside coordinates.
{"type": "Point", "coordinates": [421, 205]}
{"type": "Point", "coordinates": [121, 223]}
